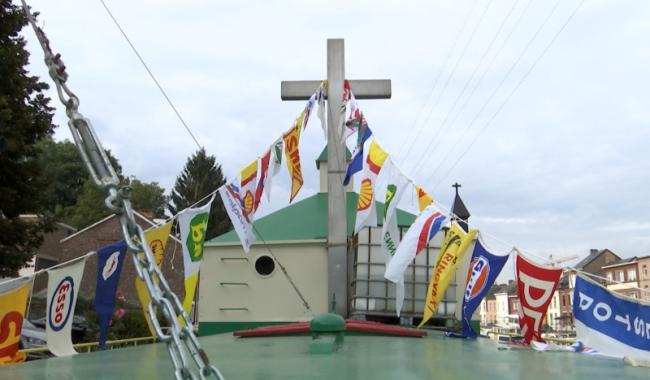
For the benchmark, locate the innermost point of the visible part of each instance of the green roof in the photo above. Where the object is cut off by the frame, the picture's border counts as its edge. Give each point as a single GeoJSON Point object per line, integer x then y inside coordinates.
{"type": "Point", "coordinates": [307, 220]}
{"type": "Point", "coordinates": [323, 156]}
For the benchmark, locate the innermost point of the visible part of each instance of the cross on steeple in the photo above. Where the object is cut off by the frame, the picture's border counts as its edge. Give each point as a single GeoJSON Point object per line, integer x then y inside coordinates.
{"type": "Point", "coordinates": [456, 185]}
{"type": "Point", "coordinates": [461, 214]}
{"type": "Point", "coordinates": [337, 239]}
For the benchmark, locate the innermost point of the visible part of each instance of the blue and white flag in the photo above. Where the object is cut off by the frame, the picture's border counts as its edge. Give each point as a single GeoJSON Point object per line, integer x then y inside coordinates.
{"type": "Point", "coordinates": [613, 324]}
{"type": "Point", "coordinates": [356, 164]}
{"type": "Point", "coordinates": [109, 265]}
{"type": "Point", "coordinates": [484, 267]}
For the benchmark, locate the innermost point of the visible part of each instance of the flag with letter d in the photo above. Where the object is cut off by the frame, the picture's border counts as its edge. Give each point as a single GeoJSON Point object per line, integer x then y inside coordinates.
{"type": "Point", "coordinates": [452, 251]}
{"type": "Point", "coordinates": [157, 240]}
{"type": "Point", "coordinates": [13, 302]}
{"type": "Point", "coordinates": [62, 291]}
{"type": "Point", "coordinates": [484, 267]}
{"type": "Point", "coordinates": [109, 266]}
{"type": "Point", "coordinates": [425, 227]}
{"type": "Point", "coordinates": [536, 286]}
{"type": "Point", "coordinates": [193, 223]}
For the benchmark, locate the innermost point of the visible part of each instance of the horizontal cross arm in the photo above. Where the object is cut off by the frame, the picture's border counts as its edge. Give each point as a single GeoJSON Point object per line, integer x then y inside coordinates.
{"type": "Point", "coordinates": [362, 89]}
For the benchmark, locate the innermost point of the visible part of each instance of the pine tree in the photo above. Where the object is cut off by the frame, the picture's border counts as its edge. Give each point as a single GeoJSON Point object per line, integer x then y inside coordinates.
{"type": "Point", "coordinates": [25, 118]}
{"type": "Point", "coordinates": [201, 176]}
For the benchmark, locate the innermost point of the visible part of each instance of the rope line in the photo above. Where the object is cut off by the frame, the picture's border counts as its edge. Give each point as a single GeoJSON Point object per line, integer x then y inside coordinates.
{"type": "Point", "coordinates": [435, 82]}
{"type": "Point", "coordinates": [495, 91]}
{"type": "Point", "coordinates": [441, 128]}
{"type": "Point", "coordinates": [153, 77]}
{"type": "Point", "coordinates": [514, 90]}
{"type": "Point", "coordinates": [451, 75]}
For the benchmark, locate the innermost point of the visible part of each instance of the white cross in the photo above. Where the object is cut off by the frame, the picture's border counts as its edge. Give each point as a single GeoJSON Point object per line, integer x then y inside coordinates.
{"type": "Point", "coordinates": [336, 218]}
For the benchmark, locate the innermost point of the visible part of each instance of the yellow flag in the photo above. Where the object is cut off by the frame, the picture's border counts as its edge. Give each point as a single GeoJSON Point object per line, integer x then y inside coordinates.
{"type": "Point", "coordinates": [157, 240]}
{"type": "Point", "coordinates": [12, 311]}
{"type": "Point", "coordinates": [424, 199]}
{"type": "Point", "coordinates": [291, 140]}
{"type": "Point", "coordinates": [452, 251]}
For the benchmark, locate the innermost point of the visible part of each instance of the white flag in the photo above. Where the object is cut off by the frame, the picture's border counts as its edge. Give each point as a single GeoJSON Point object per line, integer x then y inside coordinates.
{"type": "Point", "coordinates": [426, 225]}
{"type": "Point", "coordinates": [395, 188]}
{"type": "Point", "coordinates": [322, 113]}
{"type": "Point", "coordinates": [232, 202]}
{"type": "Point", "coordinates": [62, 291]}
{"type": "Point", "coordinates": [276, 163]}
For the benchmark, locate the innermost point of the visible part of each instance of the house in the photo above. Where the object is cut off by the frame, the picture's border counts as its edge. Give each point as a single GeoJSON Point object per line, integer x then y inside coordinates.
{"type": "Point", "coordinates": [95, 236]}
{"type": "Point", "coordinates": [553, 313]}
{"type": "Point", "coordinates": [45, 255]}
{"type": "Point", "coordinates": [239, 290]}
{"type": "Point", "coordinates": [595, 261]}
{"type": "Point", "coordinates": [622, 277]}
{"type": "Point", "coordinates": [644, 277]}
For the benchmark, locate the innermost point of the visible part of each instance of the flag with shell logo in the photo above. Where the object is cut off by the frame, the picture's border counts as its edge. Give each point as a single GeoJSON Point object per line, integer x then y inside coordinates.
{"type": "Point", "coordinates": [13, 305]}
{"type": "Point", "coordinates": [366, 212]}
{"type": "Point", "coordinates": [247, 186]}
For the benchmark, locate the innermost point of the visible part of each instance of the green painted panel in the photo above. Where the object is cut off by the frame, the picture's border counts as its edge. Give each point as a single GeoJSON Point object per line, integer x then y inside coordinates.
{"type": "Point", "coordinates": [307, 220]}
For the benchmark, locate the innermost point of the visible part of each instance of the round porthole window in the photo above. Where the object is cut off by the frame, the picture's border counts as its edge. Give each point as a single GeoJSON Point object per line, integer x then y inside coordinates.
{"type": "Point", "coordinates": [264, 265]}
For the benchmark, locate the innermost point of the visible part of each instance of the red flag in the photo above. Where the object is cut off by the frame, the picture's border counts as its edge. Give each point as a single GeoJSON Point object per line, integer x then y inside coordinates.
{"type": "Point", "coordinates": [536, 286]}
{"type": "Point", "coordinates": [266, 158]}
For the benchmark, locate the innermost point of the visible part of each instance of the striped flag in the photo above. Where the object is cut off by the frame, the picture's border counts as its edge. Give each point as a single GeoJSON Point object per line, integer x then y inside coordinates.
{"type": "Point", "coordinates": [416, 238]}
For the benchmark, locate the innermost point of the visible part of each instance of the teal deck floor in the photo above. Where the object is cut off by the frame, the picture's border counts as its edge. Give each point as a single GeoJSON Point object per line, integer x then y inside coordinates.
{"type": "Point", "coordinates": [360, 357]}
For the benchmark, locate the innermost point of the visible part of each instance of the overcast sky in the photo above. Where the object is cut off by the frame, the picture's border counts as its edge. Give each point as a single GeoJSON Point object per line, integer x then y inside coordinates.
{"type": "Point", "coordinates": [559, 167]}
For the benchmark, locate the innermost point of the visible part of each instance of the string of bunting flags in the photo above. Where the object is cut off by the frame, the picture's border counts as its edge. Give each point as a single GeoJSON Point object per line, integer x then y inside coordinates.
{"type": "Point", "coordinates": [536, 283]}
{"type": "Point", "coordinates": [606, 322]}
{"type": "Point", "coordinates": [241, 197]}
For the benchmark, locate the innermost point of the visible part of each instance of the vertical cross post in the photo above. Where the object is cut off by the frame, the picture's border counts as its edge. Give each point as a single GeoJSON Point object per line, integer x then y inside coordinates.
{"type": "Point", "coordinates": [336, 203]}
{"type": "Point", "coordinates": [337, 239]}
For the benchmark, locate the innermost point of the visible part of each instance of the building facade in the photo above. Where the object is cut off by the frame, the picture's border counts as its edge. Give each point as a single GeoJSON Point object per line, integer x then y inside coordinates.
{"type": "Point", "coordinates": [644, 277]}
{"type": "Point", "coordinates": [623, 277]}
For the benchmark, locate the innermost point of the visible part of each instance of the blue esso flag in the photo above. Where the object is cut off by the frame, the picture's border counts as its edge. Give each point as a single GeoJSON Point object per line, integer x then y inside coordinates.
{"type": "Point", "coordinates": [109, 265]}
{"type": "Point", "coordinates": [484, 267]}
{"type": "Point", "coordinates": [612, 324]}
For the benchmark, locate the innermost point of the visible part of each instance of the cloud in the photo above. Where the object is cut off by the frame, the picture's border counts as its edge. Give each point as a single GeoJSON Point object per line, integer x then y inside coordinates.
{"type": "Point", "coordinates": [550, 171]}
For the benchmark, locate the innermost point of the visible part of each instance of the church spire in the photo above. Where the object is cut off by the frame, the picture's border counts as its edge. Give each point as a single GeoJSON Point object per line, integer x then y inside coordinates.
{"type": "Point", "coordinates": [461, 214]}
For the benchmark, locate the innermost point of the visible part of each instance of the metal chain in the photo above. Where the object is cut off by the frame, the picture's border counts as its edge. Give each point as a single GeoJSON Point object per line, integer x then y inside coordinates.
{"type": "Point", "coordinates": [163, 300]}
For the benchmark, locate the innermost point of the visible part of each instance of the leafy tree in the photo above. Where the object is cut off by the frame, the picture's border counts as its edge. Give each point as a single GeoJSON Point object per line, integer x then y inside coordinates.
{"type": "Point", "coordinates": [201, 176]}
{"type": "Point", "coordinates": [63, 171]}
{"type": "Point", "coordinates": [25, 118]}
{"type": "Point", "coordinates": [89, 207]}
{"type": "Point", "coordinates": [65, 174]}
{"type": "Point", "coordinates": [148, 197]}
